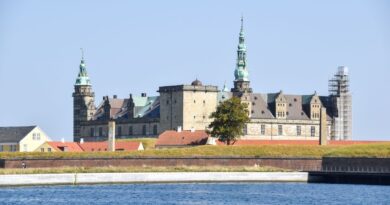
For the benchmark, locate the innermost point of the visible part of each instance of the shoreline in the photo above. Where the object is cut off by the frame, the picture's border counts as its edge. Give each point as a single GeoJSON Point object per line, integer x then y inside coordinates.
{"type": "Point", "coordinates": [149, 177]}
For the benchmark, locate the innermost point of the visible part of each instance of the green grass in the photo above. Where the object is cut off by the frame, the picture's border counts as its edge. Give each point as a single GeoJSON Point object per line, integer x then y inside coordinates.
{"type": "Point", "coordinates": [148, 143]}
{"type": "Point", "coordinates": [365, 150]}
{"type": "Point", "coordinates": [141, 169]}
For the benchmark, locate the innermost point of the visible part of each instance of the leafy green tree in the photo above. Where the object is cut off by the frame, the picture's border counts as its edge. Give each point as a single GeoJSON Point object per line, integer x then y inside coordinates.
{"type": "Point", "coordinates": [229, 120]}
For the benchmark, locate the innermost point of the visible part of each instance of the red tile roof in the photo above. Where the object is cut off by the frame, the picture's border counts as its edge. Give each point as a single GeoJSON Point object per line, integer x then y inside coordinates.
{"type": "Point", "coordinates": [66, 146]}
{"type": "Point", "coordinates": [182, 138]}
{"type": "Point", "coordinates": [103, 146]}
{"type": "Point", "coordinates": [93, 146]}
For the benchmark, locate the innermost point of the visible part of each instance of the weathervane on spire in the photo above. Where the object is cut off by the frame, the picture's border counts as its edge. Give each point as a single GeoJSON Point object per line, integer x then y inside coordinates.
{"type": "Point", "coordinates": [242, 22]}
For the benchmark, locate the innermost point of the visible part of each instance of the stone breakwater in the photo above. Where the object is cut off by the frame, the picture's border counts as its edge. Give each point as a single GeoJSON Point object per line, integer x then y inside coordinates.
{"type": "Point", "coordinates": [152, 177]}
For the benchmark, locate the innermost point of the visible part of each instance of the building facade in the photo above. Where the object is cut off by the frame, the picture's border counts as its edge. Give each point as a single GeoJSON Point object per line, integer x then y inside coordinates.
{"type": "Point", "coordinates": [21, 139]}
{"type": "Point", "coordinates": [273, 115]}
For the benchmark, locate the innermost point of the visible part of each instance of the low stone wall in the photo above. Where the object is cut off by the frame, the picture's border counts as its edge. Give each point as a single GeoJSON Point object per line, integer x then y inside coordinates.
{"type": "Point", "coordinates": [298, 164]}
{"type": "Point", "coordinates": [356, 165]}
{"type": "Point", "coordinates": [96, 178]}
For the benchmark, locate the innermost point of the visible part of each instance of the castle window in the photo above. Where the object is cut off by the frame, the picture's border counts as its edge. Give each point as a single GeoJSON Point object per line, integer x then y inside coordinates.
{"type": "Point", "coordinates": [290, 104]}
{"type": "Point", "coordinates": [286, 113]}
{"type": "Point", "coordinates": [174, 101]}
{"type": "Point", "coordinates": [92, 132]}
{"type": "Point", "coordinates": [262, 112]}
{"type": "Point", "coordinates": [255, 98]}
{"type": "Point", "coordinates": [253, 103]}
{"type": "Point", "coordinates": [295, 99]}
{"type": "Point", "coordinates": [100, 131]}
{"type": "Point", "coordinates": [204, 117]}
{"type": "Point", "coordinates": [119, 131]}
{"type": "Point", "coordinates": [245, 130]}
{"type": "Point", "coordinates": [262, 129]}
{"type": "Point", "coordinates": [299, 131]}
{"type": "Point", "coordinates": [144, 129]}
{"type": "Point", "coordinates": [131, 130]}
{"type": "Point", "coordinates": [204, 101]}
{"type": "Point", "coordinates": [194, 116]}
{"type": "Point", "coordinates": [252, 111]}
{"type": "Point", "coordinates": [155, 129]}
{"type": "Point", "coordinates": [194, 101]}
{"type": "Point", "coordinates": [167, 102]}
{"type": "Point", "coordinates": [312, 131]}
{"type": "Point", "coordinates": [280, 129]}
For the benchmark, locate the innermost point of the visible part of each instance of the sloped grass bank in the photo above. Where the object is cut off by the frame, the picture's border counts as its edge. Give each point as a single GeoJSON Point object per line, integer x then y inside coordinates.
{"type": "Point", "coordinates": [140, 169]}
{"type": "Point", "coordinates": [380, 150]}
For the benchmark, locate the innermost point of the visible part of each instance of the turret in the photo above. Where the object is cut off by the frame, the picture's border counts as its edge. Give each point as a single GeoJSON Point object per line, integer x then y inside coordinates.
{"type": "Point", "coordinates": [83, 101]}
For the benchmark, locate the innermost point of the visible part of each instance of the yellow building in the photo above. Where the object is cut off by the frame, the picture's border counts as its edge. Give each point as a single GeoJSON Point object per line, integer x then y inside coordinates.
{"type": "Point", "coordinates": [21, 139]}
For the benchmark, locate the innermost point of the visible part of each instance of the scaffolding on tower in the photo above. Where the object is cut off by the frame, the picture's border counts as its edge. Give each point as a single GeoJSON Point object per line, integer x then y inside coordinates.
{"type": "Point", "coordinates": [342, 104]}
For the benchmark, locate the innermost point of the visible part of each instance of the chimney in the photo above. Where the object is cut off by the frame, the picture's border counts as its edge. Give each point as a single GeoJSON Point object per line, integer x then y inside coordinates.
{"type": "Point", "coordinates": [62, 140]}
{"type": "Point", "coordinates": [143, 94]}
{"type": "Point", "coordinates": [81, 140]}
{"type": "Point", "coordinates": [192, 129]}
{"type": "Point", "coordinates": [323, 127]}
{"type": "Point", "coordinates": [114, 96]}
{"type": "Point", "coordinates": [111, 136]}
{"type": "Point", "coordinates": [178, 128]}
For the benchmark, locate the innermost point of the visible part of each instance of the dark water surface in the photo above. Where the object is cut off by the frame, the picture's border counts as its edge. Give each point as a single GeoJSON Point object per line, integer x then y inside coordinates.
{"type": "Point", "coordinates": [198, 193]}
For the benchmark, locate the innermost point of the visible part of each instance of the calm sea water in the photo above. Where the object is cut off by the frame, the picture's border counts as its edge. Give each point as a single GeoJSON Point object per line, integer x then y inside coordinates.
{"type": "Point", "coordinates": [203, 193]}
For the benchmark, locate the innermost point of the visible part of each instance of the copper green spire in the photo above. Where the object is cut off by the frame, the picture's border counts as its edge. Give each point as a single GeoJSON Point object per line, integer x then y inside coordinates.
{"type": "Point", "coordinates": [241, 72]}
{"type": "Point", "coordinates": [82, 77]}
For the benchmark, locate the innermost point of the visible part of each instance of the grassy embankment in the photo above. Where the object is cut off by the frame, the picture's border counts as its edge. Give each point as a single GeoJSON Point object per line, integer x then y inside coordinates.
{"type": "Point", "coordinates": [361, 150]}
{"type": "Point", "coordinates": [140, 169]}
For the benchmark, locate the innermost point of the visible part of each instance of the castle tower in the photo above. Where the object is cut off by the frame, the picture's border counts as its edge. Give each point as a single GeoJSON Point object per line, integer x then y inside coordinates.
{"type": "Point", "coordinates": [187, 106]}
{"type": "Point", "coordinates": [83, 101]}
{"type": "Point", "coordinates": [341, 105]}
{"type": "Point", "coordinates": [241, 75]}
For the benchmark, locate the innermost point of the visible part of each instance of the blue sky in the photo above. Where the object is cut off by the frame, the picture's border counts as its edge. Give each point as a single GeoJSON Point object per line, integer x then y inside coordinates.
{"type": "Point", "coordinates": [136, 46]}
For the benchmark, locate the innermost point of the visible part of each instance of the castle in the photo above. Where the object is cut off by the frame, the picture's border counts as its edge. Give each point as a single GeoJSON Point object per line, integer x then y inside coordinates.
{"type": "Point", "coordinates": [273, 115]}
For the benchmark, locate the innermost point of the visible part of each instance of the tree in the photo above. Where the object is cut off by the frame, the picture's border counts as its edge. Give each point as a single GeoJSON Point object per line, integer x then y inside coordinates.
{"type": "Point", "coordinates": [229, 120]}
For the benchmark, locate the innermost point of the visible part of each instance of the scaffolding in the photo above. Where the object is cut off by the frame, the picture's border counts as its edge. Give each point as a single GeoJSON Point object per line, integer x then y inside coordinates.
{"type": "Point", "coordinates": [342, 105]}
